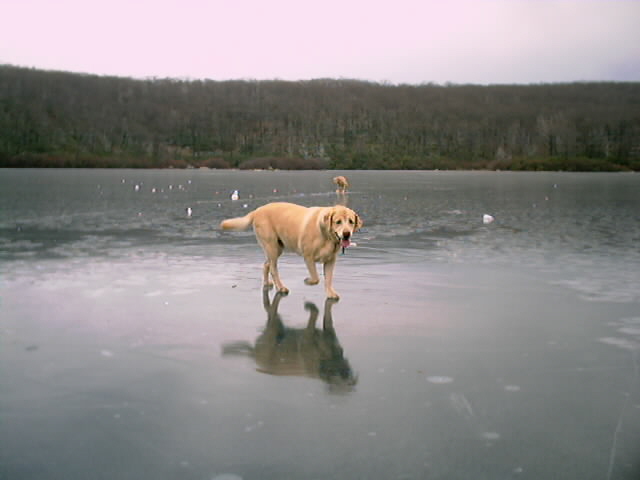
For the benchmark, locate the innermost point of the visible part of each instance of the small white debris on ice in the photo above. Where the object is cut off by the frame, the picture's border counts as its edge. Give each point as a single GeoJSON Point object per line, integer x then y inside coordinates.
{"type": "Point", "coordinates": [486, 218]}
{"type": "Point", "coordinates": [235, 195]}
{"type": "Point", "coordinates": [439, 379]}
{"type": "Point", "coordinates": [189, 211]}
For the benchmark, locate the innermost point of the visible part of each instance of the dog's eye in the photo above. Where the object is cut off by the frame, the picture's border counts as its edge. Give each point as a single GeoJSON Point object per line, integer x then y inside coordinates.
{"type": "Point", "coordinates": [339, 222]}
{"type": "Point", "coordinates": [351, 221]}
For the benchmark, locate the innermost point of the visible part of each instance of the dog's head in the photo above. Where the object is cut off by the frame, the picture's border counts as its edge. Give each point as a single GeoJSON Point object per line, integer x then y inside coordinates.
{"type": "Point", "coordinates": [341, 222]}
{"type": "Point", "coordinates": [341, 181]}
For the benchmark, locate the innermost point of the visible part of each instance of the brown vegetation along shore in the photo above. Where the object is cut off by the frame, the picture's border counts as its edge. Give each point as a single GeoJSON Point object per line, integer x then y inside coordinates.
{"type": "Point", "coordinates": [58, 119]}
{"type": "Point", "coordinates": [266, 163]}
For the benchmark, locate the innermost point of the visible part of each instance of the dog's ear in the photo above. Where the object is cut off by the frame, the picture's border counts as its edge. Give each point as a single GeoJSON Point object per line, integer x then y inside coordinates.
{"type": "Point", "coordinates": [327, 218]}
{"type": "Point", "coordinates": [359, 222]}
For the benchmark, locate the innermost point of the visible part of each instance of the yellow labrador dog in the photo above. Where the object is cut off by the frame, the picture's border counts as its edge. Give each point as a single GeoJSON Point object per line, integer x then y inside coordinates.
{"type": "Point", "coordinates": [315, 233]}
{"type": "Point", "coordinates": [342, 184]}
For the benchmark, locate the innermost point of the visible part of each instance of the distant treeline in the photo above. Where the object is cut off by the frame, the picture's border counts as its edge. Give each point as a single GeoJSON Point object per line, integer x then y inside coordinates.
{"type": "Point", "coordinates": [58, 119]}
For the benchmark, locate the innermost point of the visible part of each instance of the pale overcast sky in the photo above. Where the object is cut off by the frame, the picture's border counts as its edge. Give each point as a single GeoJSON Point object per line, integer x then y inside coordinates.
{"type": "Point", "coordinates": [396, 41]}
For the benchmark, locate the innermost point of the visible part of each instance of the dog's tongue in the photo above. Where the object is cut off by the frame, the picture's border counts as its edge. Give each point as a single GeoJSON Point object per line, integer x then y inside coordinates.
{"type": "Point", "coordinates": [345, 243]}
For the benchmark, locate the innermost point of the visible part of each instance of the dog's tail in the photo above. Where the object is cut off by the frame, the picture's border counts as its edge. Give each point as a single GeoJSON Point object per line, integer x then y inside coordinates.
{"type": "Point", "coordinates": [239, 223]}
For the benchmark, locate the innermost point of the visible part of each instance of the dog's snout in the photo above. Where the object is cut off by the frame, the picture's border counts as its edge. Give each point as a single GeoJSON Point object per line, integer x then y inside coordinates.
{"type": "Point", "coordinates": [346, 234]}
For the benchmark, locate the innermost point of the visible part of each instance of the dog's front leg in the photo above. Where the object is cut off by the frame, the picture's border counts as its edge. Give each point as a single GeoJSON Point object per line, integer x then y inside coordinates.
{"type": "Point", "coordinates": [313, 278]}
{"type": "Point", "coordinates": [328, 280]}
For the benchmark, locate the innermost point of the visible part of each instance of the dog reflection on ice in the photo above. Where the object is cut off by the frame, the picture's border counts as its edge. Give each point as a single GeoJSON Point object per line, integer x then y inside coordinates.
{"type": "Point", "coordinates": [309, 351]}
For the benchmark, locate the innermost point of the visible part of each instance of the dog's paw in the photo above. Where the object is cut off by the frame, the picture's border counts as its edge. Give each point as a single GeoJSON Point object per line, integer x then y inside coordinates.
{"type": "Point", "coordinates": [333, 295]}
{"type": "Point", "coordinates": [311, 281]}
{"type": "Point", "coordinates": [283, 290]}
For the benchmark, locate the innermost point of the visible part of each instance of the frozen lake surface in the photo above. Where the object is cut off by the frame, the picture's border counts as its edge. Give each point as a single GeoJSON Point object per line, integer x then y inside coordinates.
{"type": "Point", "coordinates": [136, 342]}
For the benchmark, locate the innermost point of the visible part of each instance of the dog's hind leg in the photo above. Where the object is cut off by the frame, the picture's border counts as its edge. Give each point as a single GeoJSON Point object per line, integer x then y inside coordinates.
{"type": "Point", "coordinates": [272, 248]}
{"type": "Point", "coordinates": [271, 266]}
{"type": "Point", "coordinates": [266, 283]}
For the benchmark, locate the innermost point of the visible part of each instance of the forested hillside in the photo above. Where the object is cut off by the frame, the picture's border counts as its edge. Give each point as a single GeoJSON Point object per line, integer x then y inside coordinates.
{"type": "Point", "coordinates": [64, 119]}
